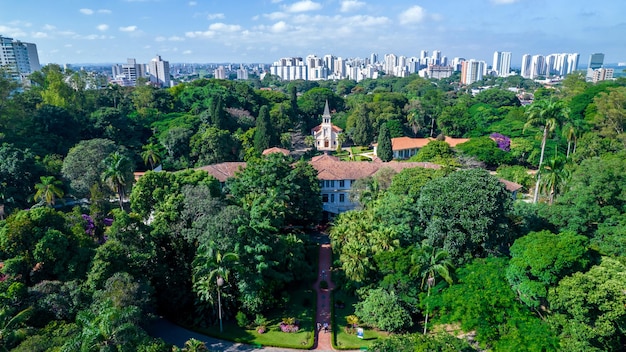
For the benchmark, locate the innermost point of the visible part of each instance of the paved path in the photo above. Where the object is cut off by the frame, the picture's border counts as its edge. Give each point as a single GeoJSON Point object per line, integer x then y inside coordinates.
{"type": "Point", "coordinates": [323, 338]}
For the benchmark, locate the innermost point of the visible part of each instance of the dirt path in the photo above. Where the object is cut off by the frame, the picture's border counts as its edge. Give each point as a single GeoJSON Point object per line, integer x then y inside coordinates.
{"type": "Point", "coordinates": [323, 337]}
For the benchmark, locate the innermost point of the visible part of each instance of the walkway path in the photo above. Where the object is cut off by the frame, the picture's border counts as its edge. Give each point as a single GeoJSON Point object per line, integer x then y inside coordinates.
{"type": "Point", "coordinates": [323, 337]}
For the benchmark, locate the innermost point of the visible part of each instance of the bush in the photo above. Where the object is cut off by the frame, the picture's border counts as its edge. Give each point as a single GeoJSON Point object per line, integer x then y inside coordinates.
{"type": "Point", "coordinates": [242, 319]}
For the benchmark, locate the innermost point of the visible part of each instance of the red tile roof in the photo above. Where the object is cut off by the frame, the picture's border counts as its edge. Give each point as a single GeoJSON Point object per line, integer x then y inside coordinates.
{"type": "Point", "coordinates": [223, 171]}
{"type": "Point", "coordinates": [319, 127]}
{"type": "Point", "coordinates": [331, 168]}
{"type": "Point", "coordinates": [276, 150]}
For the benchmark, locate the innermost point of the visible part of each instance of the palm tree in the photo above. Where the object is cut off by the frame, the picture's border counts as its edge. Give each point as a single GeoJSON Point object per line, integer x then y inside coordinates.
{"type": "Point", "coordinates": [556, 174]}
{"type": "Point", "coordinates": [11, 329]}
{"type": "Point", "coordinates": [193, 345]}
{"type": "Point", "coordinates": [151, 154]}
{"type": "Point", "coordinates": [48, 190]}
{"type": "Point", "coordinates": [352, 321]}
{"type": "Point", "coordinates": [212, 270]}
{"type": "Point", "coordinates": [430, 263]}
{"type": "Point", "coordinates": [547, 114]}
{"type": "Point", "coordinates": [117, 174]}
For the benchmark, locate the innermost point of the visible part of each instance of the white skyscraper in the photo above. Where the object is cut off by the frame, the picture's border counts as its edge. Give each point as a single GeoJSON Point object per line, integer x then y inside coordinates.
{"type": "Point", "coordinates": [502, 63]}
{"type": "Point", "coordinates": [537, 66]}
{"type": "Point", "coordinates": [526, 61]}
{"type": "Point", "coordinates": [159, 71]}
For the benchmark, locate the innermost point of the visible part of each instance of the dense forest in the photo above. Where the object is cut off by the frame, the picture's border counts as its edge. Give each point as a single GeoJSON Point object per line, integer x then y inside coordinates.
{"type": "Point", "coordinates": [89, 255]}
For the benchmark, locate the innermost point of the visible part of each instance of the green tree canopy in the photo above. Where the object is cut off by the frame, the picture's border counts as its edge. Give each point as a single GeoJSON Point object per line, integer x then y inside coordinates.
{"type": "Point", "coordinates": [465, 213]}
{"type": "Point", "coordinates": [384, 150]}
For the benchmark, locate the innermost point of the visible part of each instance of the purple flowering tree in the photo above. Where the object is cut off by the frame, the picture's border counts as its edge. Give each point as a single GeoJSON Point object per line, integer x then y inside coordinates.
{"type": "Point", "coordinates": [504, 142]}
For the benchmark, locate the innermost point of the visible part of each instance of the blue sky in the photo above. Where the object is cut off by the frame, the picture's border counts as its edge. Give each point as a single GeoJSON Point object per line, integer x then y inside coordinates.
{"type": "Point", "coordinates": [250, 31]}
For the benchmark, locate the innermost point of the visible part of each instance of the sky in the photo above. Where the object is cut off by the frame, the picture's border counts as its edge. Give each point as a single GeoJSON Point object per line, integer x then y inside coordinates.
{"type": "Point", "coordinates": [262, 31]}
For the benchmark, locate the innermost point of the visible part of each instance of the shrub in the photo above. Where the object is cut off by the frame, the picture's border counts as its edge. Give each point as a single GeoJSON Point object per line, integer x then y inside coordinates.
{"type": "Point", "coordinates": [242, 319]}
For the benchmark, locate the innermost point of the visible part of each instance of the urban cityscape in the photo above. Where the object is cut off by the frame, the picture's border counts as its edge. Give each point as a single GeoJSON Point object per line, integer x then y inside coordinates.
{"type": "Point", "coordinates": [21, 59]}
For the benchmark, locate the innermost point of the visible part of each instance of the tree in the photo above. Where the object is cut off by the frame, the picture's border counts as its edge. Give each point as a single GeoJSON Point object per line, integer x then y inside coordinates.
{"type": "Point", "coordinates": [151, 154]}
{"type": "Point", "coordinates": [382, 310]}
{"type": "Point", "coordinates": [465, 213]}
{"type": "Point", "coordinates": [83, 165]}
{"type": "Point", "coordinates": [12, 328]}
{"type": "Point", "coordinates": [362, 133]}
{"type": "Point", "coordinates": [555, 175]}
{"type": "Point", "coordinates": [540, 259]}
{"type": "Point", "coordinates": [434, 151]}
{"type": "Point", "coordinates": [611, 115]}
{"type": "Point", "coordinates": [431, 263]}
{"type": "Point", "coordinates": [384, 150]}
{"type": "Point", "coordinates": [118, 174]}
{"type": "Point", "coordinates": [211, 271]}
{"type": "Point", "coordinates": [211, 146]}
{"type": "Point", "coordinates": [590, 308]}
{"type": "Point", "coordinates": [48, 190]}
{"type": "Point", "coordinates": [19, 172]}
{"type": "Point", "coordinates": [482, 301]}
{"type": "Point", "coordinates": [548, 115]}
{"type": "Point", "coordinates": [264, 133]}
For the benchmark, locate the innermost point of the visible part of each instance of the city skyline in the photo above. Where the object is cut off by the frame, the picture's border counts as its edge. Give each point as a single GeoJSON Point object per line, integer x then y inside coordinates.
{"type": "Point", "coordinates": [263, 31]}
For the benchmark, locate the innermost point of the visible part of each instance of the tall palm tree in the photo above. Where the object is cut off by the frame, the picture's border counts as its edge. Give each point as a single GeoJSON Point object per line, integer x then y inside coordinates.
{"type": "Point", "coordinates": [555, 174]}
{"type": "Point", "coordinates": [48, 190]}
{"type": "Point", "coordinates": [429, 263]}
{"type": "Point", "coordinates": [117, 174]}
{"type": "Point", "coordinates": [211, 271]}
{"type": "Point", "coordinates": [193, 345]}
{"type": "Point", "coordinates": [547, 114]}
{"type": "Point", "coordinates": [151, 154]}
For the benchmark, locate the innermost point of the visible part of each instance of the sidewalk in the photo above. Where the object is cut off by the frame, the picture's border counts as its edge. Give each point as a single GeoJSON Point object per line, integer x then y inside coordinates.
{"type": "Point", "coordinates": [323, 338]}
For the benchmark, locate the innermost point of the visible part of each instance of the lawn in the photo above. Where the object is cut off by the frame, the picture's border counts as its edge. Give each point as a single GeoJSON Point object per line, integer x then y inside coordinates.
{"type": "Point", "coordinates": [344, 306]}
{"type": "Point", "coordinates": [300, 306]}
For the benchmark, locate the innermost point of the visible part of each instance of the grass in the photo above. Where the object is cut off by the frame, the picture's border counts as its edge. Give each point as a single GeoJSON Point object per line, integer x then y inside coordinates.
{"type": "Point", "coordinates": [297, 307]}
{"type": "Point", "coordinates": [344, 340]}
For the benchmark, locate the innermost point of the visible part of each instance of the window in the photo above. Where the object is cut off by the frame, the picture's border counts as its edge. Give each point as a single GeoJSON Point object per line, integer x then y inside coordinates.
{"type": "Point", "coordinates": [341, 184]}
{"type": "Point", "coordinates": [324, 198]}
{"type": "Point", "coordinates": [342, 197]}
{"type": "Point", "coordinates": [332, 183]}
{"type": "Point", "coordinates": [332, 198]}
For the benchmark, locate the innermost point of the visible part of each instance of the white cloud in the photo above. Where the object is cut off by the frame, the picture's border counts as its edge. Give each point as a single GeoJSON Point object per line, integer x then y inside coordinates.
{"type": "Point", "coordinates": [128, 29]}
{"type": "Point", "coordinates": [39, 35]}
{"type": "Point", "coordinates": [94, 37]}
{"type": "Point", "coordinates": [415, 14]}
{"type": "Point", "coordinates": [173, 38]}
{"type": "Point", "coordinates": [222, 27]}
{"type": "Point", "coordinates": [187, 52]}
{"type": "Point", "coordinates": [105, 11]}
{"type": "Point", "coordinates": [86, 11]}
{"type": "Point", "coordinates": [102, 27]}
{"type": "Point", "coordinates": [279, 27]}
{"type": "Point", "coordinates": [193, 3]}
{"type": "Point", "coordinates": [303, 6]}
{"type": "Point", "coordinates": [200, 34]}
{"type": "Point", "coordinates": [503, 2]}
{"type": "Point", "coordinates": [276, 16]}
{"type": "Point", "coordinates": [12, 31]}
{"type": "Point", "coordinates": [351, 5]}
{"type": "Point", "coordinates": [68, 45]}
{"type": "Point", "coordinates": [213, 16]}
{"type": "Point", "coordinates": [48, 27]}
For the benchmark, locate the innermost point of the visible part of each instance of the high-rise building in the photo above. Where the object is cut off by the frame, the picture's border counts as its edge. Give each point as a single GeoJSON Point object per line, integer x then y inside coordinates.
{"type": "Point", "coordinates": [602, 74]}
{"type": "Point", "coordinates": [595, 62]}
{"type": "Point", "coordinates": [502, 63]}
{"type": "Point", "coordinates": [19, 58]}
{"type": "Point", "coordinates": [526, 60]}
{"type": "Point", "coordinates": [472, 71]}
{"type": "Point", "coordinates": [537, 66]}
{"type": "Point", "coordinates": [159, 71]}
{"type": "Point", "coordinates": [127, 74]}
{"type": "Point", "coordinates": [219, 72]}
